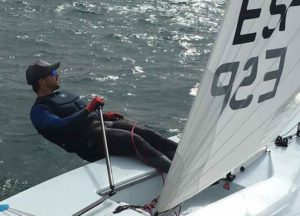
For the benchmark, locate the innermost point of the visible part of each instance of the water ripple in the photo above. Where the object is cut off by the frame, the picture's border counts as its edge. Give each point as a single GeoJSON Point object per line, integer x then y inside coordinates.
{"type": "Point", "coordinates": [131, 52]}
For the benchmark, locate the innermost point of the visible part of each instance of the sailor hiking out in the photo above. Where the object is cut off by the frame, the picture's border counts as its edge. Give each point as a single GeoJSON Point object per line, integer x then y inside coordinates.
{"type": "Point", "coordinates": [64, 119]}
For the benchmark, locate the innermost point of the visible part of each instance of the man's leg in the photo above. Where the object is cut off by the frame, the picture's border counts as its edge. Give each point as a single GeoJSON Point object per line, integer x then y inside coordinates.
{"type": "Point", "coordinates": [120, 143]}
{"type": "Point", "coordinates": [164, 145]}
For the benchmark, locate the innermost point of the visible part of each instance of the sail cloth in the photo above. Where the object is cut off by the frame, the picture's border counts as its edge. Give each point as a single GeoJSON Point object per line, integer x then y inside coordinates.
{"type": "Point", "coordinates": [253, 70]}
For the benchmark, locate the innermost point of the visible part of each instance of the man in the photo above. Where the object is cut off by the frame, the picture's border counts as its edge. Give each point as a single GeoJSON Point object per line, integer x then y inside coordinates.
{"type": "Point", "coordinates": [64, 119]}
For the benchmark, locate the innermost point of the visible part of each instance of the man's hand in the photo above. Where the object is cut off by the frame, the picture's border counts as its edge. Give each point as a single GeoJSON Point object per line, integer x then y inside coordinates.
{"type": "Point", "coordinates": [112, 116]}
{"type": "Point", "coordinates": [95, 104]}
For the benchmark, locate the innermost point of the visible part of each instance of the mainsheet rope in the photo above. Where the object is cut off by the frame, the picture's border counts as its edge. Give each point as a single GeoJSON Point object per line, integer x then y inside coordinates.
{"type": "Point", "coordinates": [150, 206]}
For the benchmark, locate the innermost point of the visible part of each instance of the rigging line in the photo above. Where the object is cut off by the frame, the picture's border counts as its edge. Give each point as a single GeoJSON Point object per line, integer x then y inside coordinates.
{"type": "Point", "coordinates": [20, 212]}
{"type": "Point", "coordinates": [289, 130]}
{"type": "Point", "coordinates": [6, 208]}
{"type": "Point", "coordinates": [138, 153]}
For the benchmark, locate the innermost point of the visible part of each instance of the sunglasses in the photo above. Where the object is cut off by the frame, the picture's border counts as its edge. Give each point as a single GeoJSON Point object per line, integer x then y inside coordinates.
{"type": "Point", "coordinates": [54, 73]}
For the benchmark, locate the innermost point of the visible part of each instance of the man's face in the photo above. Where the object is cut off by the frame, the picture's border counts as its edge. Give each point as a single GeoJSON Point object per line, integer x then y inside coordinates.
{"type": "Point", "coordinates": [51, 81]}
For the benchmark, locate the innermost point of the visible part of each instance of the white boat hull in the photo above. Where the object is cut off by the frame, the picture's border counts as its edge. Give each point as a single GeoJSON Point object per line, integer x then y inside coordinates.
{"type": "Point", "coordinates": [268, 186]}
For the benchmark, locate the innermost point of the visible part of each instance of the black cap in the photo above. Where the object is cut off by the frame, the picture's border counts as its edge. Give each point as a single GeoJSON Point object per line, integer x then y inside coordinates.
{"type": "Point", "coordinates": [39, 69]}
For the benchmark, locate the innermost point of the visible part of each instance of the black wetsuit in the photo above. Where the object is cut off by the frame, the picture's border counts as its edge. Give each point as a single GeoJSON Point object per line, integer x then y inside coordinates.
{"type": "Point", "coordinates": [62, 118]}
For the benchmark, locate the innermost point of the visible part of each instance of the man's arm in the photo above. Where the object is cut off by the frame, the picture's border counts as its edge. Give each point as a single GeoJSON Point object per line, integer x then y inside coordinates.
{"type": "Point", "coordinates": [42, 118]}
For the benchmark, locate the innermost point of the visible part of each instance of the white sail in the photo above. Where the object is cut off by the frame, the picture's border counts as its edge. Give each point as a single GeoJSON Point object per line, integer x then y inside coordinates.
{"type": "Point", "coordinates": [253, 70]}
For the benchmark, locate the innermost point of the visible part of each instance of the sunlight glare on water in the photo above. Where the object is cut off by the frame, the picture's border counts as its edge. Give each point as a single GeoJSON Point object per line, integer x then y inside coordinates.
{"type": "Point", "coordinates": [143, 57]}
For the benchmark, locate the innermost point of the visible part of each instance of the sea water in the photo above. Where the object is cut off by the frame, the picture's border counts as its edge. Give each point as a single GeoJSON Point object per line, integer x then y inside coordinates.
{"type": "Point", "coordinates": [145, 58]}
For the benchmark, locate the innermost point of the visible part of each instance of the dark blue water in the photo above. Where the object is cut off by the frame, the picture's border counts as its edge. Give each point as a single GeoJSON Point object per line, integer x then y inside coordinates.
{"type": "Point", "coordinates": [143, 57]}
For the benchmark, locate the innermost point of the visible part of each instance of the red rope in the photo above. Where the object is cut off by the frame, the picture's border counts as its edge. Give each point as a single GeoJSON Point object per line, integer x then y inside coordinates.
{"type": "Point", "coordinates": [141, 156]}
{"type": "Point", "coordinates": [147, 207]}
{"type": "Point", "coordinates": [135, 147]}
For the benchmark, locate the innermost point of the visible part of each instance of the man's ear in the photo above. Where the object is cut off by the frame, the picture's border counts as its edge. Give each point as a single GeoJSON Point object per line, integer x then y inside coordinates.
{"type": "Point", "coordinates": [41, 82]}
